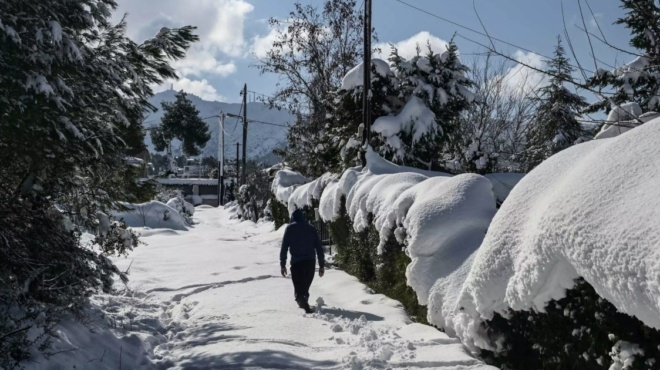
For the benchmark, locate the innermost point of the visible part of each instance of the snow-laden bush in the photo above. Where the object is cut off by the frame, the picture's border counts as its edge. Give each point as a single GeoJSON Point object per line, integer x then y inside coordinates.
{"type": "Point", "coordinates": [589, 213]}
{"type": "Point", "coordinates": [172, 198]}
{"type": "Point", "coordinates": [46, 271]}
{"type": "Point", "coordinates": [252, 198]}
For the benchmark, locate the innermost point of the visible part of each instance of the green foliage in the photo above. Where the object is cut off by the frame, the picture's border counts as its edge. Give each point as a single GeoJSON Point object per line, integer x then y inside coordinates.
{"type": "Point", "coordinates": [131, 188]}
{"type": "Point", "coordinates": [279, 212]}
{"type": "Point", "coordinates": [344, 120]}
{"type": "Point", "coordinates": [573, 333]}
{"type": "Point", "coordinates": [181, 121]}
{"type": "Point", "coordinates": [253, 197]}
{"type": "Point", "coordinates": [555, 126]}
{"type": "Point", "coordinates": [391, 277]}
{"type": "Point", "coordinates": [385, 274]}
{"type": "Point", "coordinates": [638, 82]}
{"type": "Point", "coordinates": [440, 81]}
{"type": "Point", "coordinates": [73, 93]}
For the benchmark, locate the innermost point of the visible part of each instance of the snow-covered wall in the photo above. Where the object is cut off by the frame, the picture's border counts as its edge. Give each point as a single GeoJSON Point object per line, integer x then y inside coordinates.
{"type": "Point", "coordinates": [591, 211]}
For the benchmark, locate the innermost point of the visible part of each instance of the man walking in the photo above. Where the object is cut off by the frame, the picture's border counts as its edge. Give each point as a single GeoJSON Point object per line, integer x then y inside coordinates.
{"type": "Point", "coordinates": [303, 241]}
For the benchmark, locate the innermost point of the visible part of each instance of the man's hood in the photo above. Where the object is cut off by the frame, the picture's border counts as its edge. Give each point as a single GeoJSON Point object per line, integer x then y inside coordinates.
{"type": "Point", "coordinates": [298, 216]}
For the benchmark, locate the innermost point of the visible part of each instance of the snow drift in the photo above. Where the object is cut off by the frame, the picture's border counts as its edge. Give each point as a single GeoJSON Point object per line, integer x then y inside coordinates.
{"type": "Point", "coordinates": [593, 211]}
{"type": "Point", "coordinates": [153, 214]}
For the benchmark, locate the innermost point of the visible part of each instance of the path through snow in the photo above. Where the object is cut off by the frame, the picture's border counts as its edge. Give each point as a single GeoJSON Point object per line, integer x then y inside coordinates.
{"type": "Point", "coordinates": [212, 298]}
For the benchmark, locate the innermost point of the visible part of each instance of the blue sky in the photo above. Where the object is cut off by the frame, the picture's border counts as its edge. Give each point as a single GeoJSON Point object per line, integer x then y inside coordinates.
{"type": "Point", "coordinates": [232, 31]}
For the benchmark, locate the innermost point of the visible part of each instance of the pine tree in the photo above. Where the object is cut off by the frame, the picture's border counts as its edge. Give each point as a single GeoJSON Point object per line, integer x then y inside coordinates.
{"type": "Point", "coordinates": [555, 126]}
{"type": "Point", "coordinates": [181, 121]}
{"type": "Point", "coordinates": [639, 80]}
{"type": "Point", "coordinates": [344, 119]}
{"type": "Point", "coordinates": [438, 81]}
{"type": "Point", "coordinates": [73, 91]}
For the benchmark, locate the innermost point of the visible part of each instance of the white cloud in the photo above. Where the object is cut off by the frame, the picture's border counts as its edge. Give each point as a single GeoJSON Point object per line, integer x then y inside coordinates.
{"type": "Point", "coordinates": [261, 45]}
{"type": "Point", "coordinates": [220, 26]}
{"type": "Point", "coordinates": [408, 48]}
{"type": "Point", "coordinates": [200, 61]}
{"type": "Point", "coordinates": [201, 88]}
{"type": "Point", "coordinates": [520, 77]}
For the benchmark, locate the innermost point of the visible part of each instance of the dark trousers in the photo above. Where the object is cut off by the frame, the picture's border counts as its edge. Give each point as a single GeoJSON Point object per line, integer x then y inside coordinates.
{"type": "Point", "coordinates": [302, 274]}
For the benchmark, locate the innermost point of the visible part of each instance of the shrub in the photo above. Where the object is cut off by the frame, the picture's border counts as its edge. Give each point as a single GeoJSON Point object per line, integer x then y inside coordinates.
{"type": "Point", "coordinates": [578, 331]}
{"type": "Point", "coordinates": [45, 272]}
{"type": "Point", "coordinates": [385, 274]}
{"type": "Point", "coordinates": [279, 212]}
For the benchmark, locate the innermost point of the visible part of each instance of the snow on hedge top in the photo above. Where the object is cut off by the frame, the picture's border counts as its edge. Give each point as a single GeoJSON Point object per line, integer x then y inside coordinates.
{"type": "Point", "coordinates": [593, 211]}
{"type": "Point", "coordinates": [415, 118]}
{"type": "Point", "coordinates": [284, 184]}
{"type": "Point", "coordinates": [445, 221]}
{"type": "Point", "coordinates": [355, 77]}
{"type": "Point", "coordinates": [356, 185]}
{"type": "Point", "coordinates": [378, 165]}
{"type": "Point", "coordinates": [304, 194]}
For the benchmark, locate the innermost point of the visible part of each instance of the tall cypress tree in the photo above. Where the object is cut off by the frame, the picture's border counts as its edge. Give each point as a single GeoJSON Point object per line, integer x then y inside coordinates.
{"type": "Point", "coordinates": [555, 126]}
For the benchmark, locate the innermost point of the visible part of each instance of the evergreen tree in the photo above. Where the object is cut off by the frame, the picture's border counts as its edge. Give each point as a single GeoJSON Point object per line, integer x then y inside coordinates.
{"type": "Point", "coordinates": [181, 121]}
{"type": "Point", "coordinates": [555, 126]}
{"type": "Point", "coordinates": [344, 120]}
{"type": "Point", "coordinates": [73, 91]}
{"type": "Point", "coordinates": [438, 82]}
{"type": "Point", "coordinates": [639, 80]}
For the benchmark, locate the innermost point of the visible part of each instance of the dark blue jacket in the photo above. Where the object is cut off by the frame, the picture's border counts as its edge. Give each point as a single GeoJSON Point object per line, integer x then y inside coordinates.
{"type": "Point", "coordinates": [302, 240]}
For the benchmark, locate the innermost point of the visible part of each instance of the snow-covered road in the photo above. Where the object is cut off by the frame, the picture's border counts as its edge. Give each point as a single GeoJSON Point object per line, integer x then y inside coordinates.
{"type": "Point", "coordinates": [212, 298]}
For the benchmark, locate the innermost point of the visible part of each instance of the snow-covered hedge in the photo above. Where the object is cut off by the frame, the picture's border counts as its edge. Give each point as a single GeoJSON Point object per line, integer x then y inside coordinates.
{"type": "Point", "coordinates": [571, 258]}
{"type": "Point", "coordinates": [590, 211]}
{"type": "Point", "coordinates": [439, 218]}
{"type": "Point", "coordinates": [285, 183]}
{"type": "Point", "coordinates": [585, 220]}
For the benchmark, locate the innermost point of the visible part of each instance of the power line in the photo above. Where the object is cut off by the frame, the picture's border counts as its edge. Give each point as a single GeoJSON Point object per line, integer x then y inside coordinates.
{"type": "Point", "coordinates": [267, 123]}
{"type": "Point", "coordinates": [261, 94]}
{"type": "Point", "coordinates": [477, 32]}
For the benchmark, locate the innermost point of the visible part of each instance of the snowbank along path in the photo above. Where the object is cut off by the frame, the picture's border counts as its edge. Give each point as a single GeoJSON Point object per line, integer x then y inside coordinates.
{"type": "Point", "coordinates": [211, 297]}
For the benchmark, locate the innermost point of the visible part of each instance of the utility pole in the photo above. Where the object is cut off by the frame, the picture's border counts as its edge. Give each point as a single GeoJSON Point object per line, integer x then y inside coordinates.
{"type": "Point", "coordinates": [366, 83]}
{"type": "Point", "coordinates": [237, 165]}
{"type": "Point", "coordinates": [245, 128]}
{"type": "Point", "coordinates": [221, 161]}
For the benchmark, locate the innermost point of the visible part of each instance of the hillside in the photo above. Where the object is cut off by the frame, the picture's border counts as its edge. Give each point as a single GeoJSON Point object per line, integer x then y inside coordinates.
{"type": "Point", "coordinates": [262, 138]}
